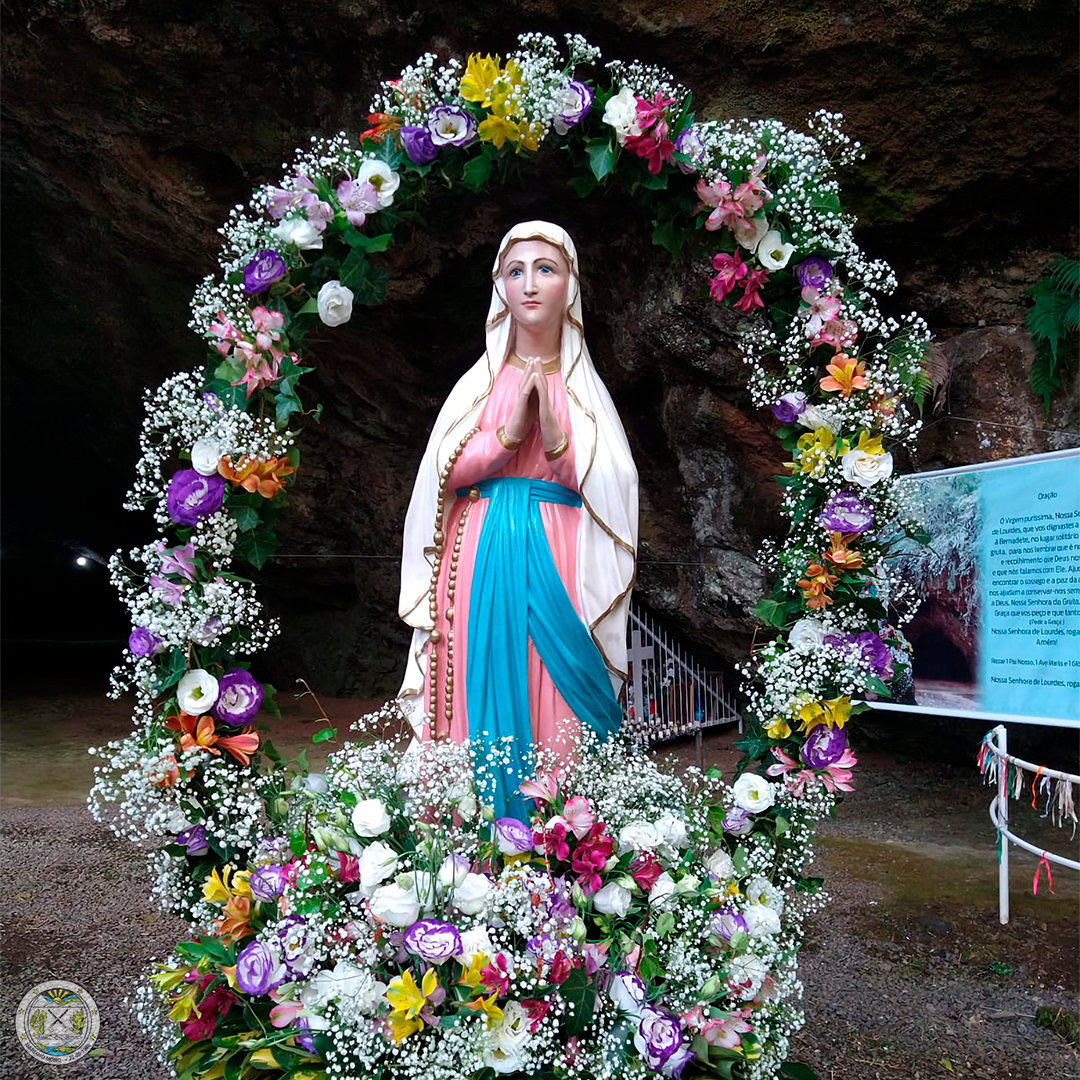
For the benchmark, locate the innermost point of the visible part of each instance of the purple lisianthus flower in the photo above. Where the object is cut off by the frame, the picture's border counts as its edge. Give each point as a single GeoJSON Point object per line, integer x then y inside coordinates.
{"type": "Point", "coordinates": [574, 102]}
{"type": "Point", "coordinates": [788, 408]}
{"type": "Point", "coordinates": [192, 497]}
{"type": "Point", "coordinates": [418, 144]}
{"type": "Point", "coordinates": [512, 836]}
{"type": "Point", "coordinates": [870, 649]}
{"type": "Point", "coordinates": [727, 922]}
{"type": "Point", "coordinates": [294, 941]}
{"type": "Point", "coordinates": [845, 512]}
{"type": "Point", "coordinates": [212, 400]}
{"type": "Point", "coordinates": [258, 969]}
{"type": "Point", "coordinates": [823, 746]}
{"type": "Point", "coordinates": [559, 905]}
{"type": "Point", "coordinates": [267, 882]}
{"type": "Point", "coordinates": [449, 126]}
{"type": "Point", "coordinates": [628, 992]}
{"type": "Point", "coordinates": [263, 270]}
{"type": "Point", "coordinates": [688, 142]}
{"type": "Point", "coordinates": [432, 941]}
{"type": "Point", "coordinates": [169, 591]}
{"type": "Point", "coordinates": [142, 643]}
{"type": "Point", "coordinates": [814, 272]}
{"type": "Point", "coordinates": [194, 839]}
{"type": "Point", "coordinates": [207, 630]}
{"type": "Point", "coordinates": [239, 697]}
{"type": "Point", "coordinates": [737, 821]}
{"type": "Point", "coordinates": [658, 1036]}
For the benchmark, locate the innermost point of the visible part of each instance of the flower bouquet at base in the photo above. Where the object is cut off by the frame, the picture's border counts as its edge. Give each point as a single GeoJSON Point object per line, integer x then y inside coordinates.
{"type": "Point", "coordinates": [389, 925]}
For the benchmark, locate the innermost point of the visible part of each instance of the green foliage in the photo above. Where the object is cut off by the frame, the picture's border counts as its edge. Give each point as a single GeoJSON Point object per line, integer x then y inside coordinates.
{"type": "Point", "coordinates": [1054, 321]}
{"type": "Point", "coordinates": [580, 995]}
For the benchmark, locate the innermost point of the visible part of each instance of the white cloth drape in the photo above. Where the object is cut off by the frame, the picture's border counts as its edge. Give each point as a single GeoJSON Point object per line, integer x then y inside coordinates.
{"type": "Point", "coordinates": [606, 474]}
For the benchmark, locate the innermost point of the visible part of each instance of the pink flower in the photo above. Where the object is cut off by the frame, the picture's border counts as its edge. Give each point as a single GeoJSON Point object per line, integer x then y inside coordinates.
{"type": "Point", "coordinates": [496, 975]}
{"type": "Point", "coordinates": [169, 591]}
{"type": "Point", "coordinates": [834, 777]}
{"type": "Point", "coordinates": [348, 868]}
{"type": "Point", "coordinates": [544, 788]}
{"type": "Point", "coordinates": [839, 333]}
{"type": "Point", "coordinates": [644, 868]}
{"type": "Point", "coordinates": [819, 311]}
{"type": "Point", "coordinates": [579, 815]}
{"type": "Point", "coordinates": [357, 200]}
{"type": "Point", "coordinates": [632, 957]}
{"type": "Point", "coordinates": [560, 968]}
{"type": "Point", "coordinates": [591, 855]}
{"type": "Point", "coordinates": [318, 213]}
{"type": "Point", "coordinates": [652, 112]}
{"type": "Point", "coordinates": [552, 839]}
{"type": "Point", "coordinates": [656, 151]}
{"type": "Point", "coordinates": [259, 373]}
{"type": "Point", "coordinates": [537, 1010]}
{"type": "Point", "coordinates": [712, 194]}
{"type": "Point", "coordinates": [178, 561]}
{"type": "Point", "coordinates": [731, 269]}
{"type": "Point", "coordinates": [750, 298]}
{"type": "Point", "coordinates": [279, 202]}
{"type": "Point", "coordinates": [267, 321]}
{"type": "Point", "coordinates": [284, 1014]}
{"type": "Point", "coordinates": [724, 1032]}
{"type": "Point", "coordinates": [746, 195]}
{"type": "Point", "coordinates": [595, 955]}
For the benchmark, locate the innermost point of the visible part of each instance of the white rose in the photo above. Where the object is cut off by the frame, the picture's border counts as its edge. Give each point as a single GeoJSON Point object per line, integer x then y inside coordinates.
{"type": "Point", "coordinates": [772, 252]}
{"type": "Point", "coordinates": [395, 905]}
{"type": "Point", "coordinates": [205, 455]}
{"type": "Point", "coordinates": [612, 899]}
{"type": "Point", "coordinates": [378, 861]}
{"type": "Point", "coordinates": [672, 830]}
{"type": "Point", "coordinates": [314, 781]}
{"type": "Point", "coordinates": [422, 883]}
{"type": "Point", "coordinates": [628, 992]}
{"type": "Point", "coordinates": [719, 864]}
{"type": "Point", "coordinates": [662, 891]}
{"type": "Point", "coordinates": [506, 1041]}
{"type": "Point", "coordinates": [381, 177]}
{"type": "Point", "coordinates": [177, 821]}
{"type": "Point", "coordinates": [197, 691]}
{"type": "Point", "coordinates": [640, 836]}
{"type": "Point", "coordinates": [760, 890]}
{"type": "Point", "coordinates": [346, 982]}
{"type": "Point", "coordinates": [621, 113]}
{"type": "Point", "coordinates": [865, 469]}
{"type": "Point", "coordinates": [746, 973]}
{"type": "Point", "coordinates": [814, 418]}
{"type": "Point", "coordinates": [761, 921]}
{"type": "Point", "coordinates": [299, 232]}
{"type": "Point", "coordinates": [753, 793]}
{"type": "Point", "coordinates": [335, 303]}
{"type": "Point", "coordinates": [369, 817]}
{"type": "Point", "coordinates": [749, 231]}
{"type": "Point", "coordinates": [453, 871]}
{"type": "Point", "coordinates": [807, 636]}
{"type": "Point", "coordinates": [473, 942]}
{"type": "Point", "coordinates": [471, 896]}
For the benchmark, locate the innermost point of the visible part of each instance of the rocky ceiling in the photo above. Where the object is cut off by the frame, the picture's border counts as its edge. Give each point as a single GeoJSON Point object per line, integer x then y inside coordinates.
{"type": "Point", "coordinates": [131, 126]}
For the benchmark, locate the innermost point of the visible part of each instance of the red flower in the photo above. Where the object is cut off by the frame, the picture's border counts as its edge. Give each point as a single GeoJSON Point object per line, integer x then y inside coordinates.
{"type": "Point", "coordinates": [645, 869]}
{"type": "Point", "coordinates": [592, 852]}
{"type": "Point", "coordinates": [537, 1010]}
{"type": "Point", "coordinates": [205, 1017]}
{"type": "Point", "coordinates": [495, 975]}
{"type": "Point", "coordinates": [348, 868]}
{"type": "Point", "coordinates": [553, 838]}
{"type": "Point", "coordinates": [560, 968]}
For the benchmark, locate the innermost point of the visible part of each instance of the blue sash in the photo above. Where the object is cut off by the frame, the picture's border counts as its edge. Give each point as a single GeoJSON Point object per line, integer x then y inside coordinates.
{"type": "Point", "coordinates": [517, 594]}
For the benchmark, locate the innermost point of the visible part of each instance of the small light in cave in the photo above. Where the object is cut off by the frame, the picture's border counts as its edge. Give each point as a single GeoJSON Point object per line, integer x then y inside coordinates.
{"type": "Point", "coordinates": [82, 560]}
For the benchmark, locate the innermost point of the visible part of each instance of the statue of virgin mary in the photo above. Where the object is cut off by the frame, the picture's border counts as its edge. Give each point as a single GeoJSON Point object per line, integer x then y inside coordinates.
{"type": "Point", "coordinates": [520, 542]}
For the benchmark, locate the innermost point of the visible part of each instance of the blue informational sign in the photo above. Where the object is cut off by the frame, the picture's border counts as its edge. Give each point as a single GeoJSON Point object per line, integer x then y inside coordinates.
{"type": "Point", "coordinates": [1029, 555]}
{"type": "Point", "coordinates": [996, 633]}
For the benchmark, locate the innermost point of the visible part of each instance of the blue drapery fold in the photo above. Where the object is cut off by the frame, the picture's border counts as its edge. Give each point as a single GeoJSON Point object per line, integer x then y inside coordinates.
{"type": "Point", "coordinates": [517, 594]}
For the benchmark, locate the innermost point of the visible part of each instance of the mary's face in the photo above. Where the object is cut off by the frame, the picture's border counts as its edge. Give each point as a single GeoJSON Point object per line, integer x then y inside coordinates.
{"type": "Point", "coordinates": [535, 280]}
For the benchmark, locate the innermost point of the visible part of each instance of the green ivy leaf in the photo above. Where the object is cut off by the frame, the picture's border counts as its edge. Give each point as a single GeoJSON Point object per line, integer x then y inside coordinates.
{"type": "Point", "coordinates": [369, 244]}
{"type": "Point", "coordinates": [257, 546]}
{"type": "Point", "coordinates": [268, 702]}
{"type": "Point", "coordinates": [324, 735]}
{"type": "Point", "coordinates": [476, 172]}
{"type": "Point", "coordinates": [580, 995]}
{"type": "Point", "coordinates": [246, 517]}
{"type": "Point", "coordinates": [584, 184]}
{"type": "Point", "coordinates": [770, 613]}
{"type": "Point", "coordinates": [601, 158]}
{"type": "Point", "coordinates": [297, 843]}
{"type": "Point", "coordinates": [310, 308]}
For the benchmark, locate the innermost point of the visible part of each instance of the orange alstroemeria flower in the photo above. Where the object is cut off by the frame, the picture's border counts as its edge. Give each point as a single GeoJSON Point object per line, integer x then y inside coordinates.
{"type": "Point", "coordinates": [846, 373]}
{"type": "Point", "coordinates": [816, 586]}
{"type": "Point", "coordinates": [265, 477]}
{"type": "Point", "coordinates": [172, 773]}
{"type": "Point", "coordinates": [382, 124]}
{"type": "Point", "coordinates": [233, 924]}
{"type": "Point", "coordinates": [839, 554]}
{"type": "Point", "coordinates": [197, 732]}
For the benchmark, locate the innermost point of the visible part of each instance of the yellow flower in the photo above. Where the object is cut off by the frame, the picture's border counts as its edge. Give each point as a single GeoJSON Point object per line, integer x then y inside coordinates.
{"type": "Point", "coordinates": [401, 1027]}
{"type": "Point", "coordinates": [815, 449]}
{"type": "Point", "coordinates": [477, 84]}
{"type": "Point", "coordinates": [470, 973]}
{"type": "Point", "coordinates": [217, 887]}
{"type": "Point", "coordinates": [406, 997]}
{"type": "Point", "coordinates": [531, 134]}
{"type": "Point", "coordinates": [167, 978]}
{"type": "Point", "coordinates": [184, 1005]}
{"type": "Point", "coordinates": [870, 446]}
{"type": "Point", "coordinates": [778, 728]}
{"type": "Point", "coordinates": [496, 129]}
{"type": "Point", "coordinates": [834, 712]}
{"type": "Point", "coordinates": [486, 1005]}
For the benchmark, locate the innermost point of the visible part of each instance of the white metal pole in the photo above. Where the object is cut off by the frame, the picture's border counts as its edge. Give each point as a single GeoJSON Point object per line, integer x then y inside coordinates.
{"type": "Point", "coordinates": [1001, 739]}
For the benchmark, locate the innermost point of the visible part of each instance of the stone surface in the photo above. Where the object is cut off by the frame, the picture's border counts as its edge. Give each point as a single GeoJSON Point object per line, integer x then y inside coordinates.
{"type": "Point", "coordinates": [130, 129]}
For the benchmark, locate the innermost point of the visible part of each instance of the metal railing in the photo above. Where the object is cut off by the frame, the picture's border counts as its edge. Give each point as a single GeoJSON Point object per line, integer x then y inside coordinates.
{"type": "Point", "coordinates": [668, 694]}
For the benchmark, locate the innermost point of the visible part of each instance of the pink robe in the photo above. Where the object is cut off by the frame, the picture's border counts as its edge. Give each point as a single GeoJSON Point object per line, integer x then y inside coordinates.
{"type": "Point", "coordinates": [484, 457]}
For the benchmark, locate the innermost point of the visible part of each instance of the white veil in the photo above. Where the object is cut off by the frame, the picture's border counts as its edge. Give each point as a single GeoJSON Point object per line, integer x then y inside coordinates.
{"type": "Point", "coordinates": [606, 474]}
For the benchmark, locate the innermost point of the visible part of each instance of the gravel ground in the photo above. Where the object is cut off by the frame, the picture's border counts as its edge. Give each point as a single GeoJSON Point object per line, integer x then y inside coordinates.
{"type": "Point", "coordinates": [896, 970]}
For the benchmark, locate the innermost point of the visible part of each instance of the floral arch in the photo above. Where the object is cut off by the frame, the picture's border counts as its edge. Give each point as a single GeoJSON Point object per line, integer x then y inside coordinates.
{"type": "Point", "coordinates": [373, 921]}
